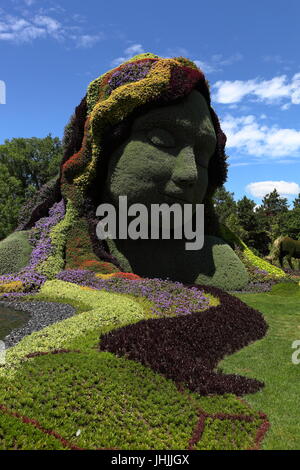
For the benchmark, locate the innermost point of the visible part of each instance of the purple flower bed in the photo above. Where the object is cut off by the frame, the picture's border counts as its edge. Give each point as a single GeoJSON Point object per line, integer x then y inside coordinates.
{"type": "Point", "coordinates": [129, 73]}
{"type": "Point", "coordinates": [168, 297]}
{"type": "Point", "coordinates": [41, 241]}
{"type": "Point", "coordinates": [40, 237]}
{"type": "Point", "coordinates": [82, 277]}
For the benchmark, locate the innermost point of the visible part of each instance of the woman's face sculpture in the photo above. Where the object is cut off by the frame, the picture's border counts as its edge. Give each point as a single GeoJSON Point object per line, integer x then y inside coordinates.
{"type": "Point", "coordinates": [165, 159]}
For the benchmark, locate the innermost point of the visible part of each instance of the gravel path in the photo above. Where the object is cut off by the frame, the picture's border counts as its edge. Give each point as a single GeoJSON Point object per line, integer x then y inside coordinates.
{"type": "Point", "coordinates": [41, 314]}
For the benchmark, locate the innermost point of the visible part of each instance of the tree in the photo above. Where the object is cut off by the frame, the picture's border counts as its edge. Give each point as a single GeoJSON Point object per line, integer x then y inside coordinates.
{"type": "Point", "coordinates": [273, 205]}
{"type": "Point", "coordinates": [290, 223]}
{"type": "Point", "coordinates": [25, 165]}
{"type": "Point", "coordinates": [32, 161]}
{"type": "Point", "coordinates": [11, 199]}
{"type": "Point", "coordinates": [246, 215]}
{"type": "Point", "coordinates": [233, 224]}
{"type": "Point", "coordinates": [270, 213]}
{"type": "Point", "coordinates": [224, 203]}
{"type": "Point", "coordinates": [296, 202]}
{"type": "Point", "coordinates": [255, 235]}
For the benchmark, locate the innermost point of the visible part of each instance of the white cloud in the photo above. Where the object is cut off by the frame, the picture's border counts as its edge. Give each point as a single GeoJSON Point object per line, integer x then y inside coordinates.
{"type": "Point", "coordinates": [205, 66]}
{"type": "Point", "coordinates": [49, 23]}
{"type": "Point", "coordinates": [284, 161]}
{"type": "Point", "coordinates": [87, 40]}
{"type": "Point", "coordinates": [21, 30]}
{"type": "Point", "coordinates": [279, 60]}
{"type": "Point", "coordinates": [219, 59]}
{"type": "Point", "coordinates": [249, 136]}
{"type": "Point", "coordinates": [269, 91]}
{"type": "Point", "coordinates": [217, 62]}
{"type": "Point", "coordinates": [261, 188]}
{"type": "Point", "coordinates": [176, 52]}
{"type": "Point", "coordinates": [232, 92]}
{"type": "Point", "coordinates": [240, 164]}
{"type": "Point", "coordinates": [129, 52]}
{"type": "Point", "coordinates": [135, 49]}
{"type": "Point", "coordinates": [2, 92]}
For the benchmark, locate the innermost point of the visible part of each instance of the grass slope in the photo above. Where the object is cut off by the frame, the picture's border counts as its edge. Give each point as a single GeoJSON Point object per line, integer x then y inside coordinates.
{"type": "Point", "coordinates": [15, 251]}
{"type": "Point", "coordinates": [270, 360]}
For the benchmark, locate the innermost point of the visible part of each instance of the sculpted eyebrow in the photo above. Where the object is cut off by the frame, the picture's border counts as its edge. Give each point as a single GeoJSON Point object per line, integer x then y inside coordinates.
{"type": "Point", "coordinates": [161, 122]}
{"type": "Point", "coordinates": [171, 125]}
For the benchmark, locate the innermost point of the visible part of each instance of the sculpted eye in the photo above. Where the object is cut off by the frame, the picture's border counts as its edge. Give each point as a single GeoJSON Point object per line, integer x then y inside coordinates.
{"type": "Point", "coordinates": [161, 138]}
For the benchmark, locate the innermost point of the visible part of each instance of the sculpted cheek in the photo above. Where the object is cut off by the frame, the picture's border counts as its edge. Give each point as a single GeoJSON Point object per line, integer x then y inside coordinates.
{"type": "Point", "coordinates": [201, 186]}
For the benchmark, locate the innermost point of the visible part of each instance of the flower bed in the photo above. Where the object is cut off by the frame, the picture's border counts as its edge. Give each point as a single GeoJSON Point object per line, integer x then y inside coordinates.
{"type": "Point", "coordinates": [187, 349]}
{"type": "Point", "coordinates": [168, 297]}
{"type": "Point", "coordinates": [30, 278]}
{"type": "Point", "coordinates": [114, 402]}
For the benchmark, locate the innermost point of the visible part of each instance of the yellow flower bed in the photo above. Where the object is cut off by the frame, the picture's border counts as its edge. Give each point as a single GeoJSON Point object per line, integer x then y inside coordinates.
{"type": "Point", "coordinates": [14, 286]}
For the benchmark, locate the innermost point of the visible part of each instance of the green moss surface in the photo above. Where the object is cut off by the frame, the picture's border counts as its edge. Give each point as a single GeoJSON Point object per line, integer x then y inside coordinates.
{"type": "Point", "coordinates": [215, 264]}
{"type": "Point", "coordinates": [223, 268]}
{"type": "Point", "coordinates": [15, 251]}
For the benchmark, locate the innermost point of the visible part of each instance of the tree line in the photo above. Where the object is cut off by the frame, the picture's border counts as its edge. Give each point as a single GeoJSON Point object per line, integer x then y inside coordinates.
{"type": "Point", "coordinates": [25, 165]}
{"type": "Point", "coordinates": [259, 225]}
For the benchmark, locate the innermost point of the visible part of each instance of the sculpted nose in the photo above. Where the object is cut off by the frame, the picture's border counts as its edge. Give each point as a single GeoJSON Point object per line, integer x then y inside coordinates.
{"type": "Point", "coordinates": [185, 170]}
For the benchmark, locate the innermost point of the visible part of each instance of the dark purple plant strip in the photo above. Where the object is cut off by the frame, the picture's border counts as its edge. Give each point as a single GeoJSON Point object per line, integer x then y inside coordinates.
{"type": "Point", "coordinates": [186, 349]}
{"type": "Point", "coordinates": [261, 432]}
{"type": "Point", "coordinates": [53, 351]}
{"type": "Point", "coordinates": [37, 425]}
{"type": "Point", "coordinates": [199, 429]}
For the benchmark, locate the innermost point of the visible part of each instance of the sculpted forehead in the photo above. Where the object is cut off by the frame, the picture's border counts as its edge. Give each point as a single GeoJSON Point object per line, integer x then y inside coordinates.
{"type": "Point", "coordinates": [191, 114]}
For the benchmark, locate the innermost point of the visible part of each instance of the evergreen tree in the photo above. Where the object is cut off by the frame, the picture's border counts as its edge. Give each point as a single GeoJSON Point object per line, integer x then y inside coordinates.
{"type": "Point", "coordinates": [246, 214]}
{"type": "Point", "coordinates": [296, 202]}
{"type": "Point", "coordinates": [290, 223]}
{"type": "Point", "coordinates": [256, 235]}
{"type": "Point", "coordinates": [270, 213]}
{"type": "Point", "coordinates": [233, 224]}
{"type": "Point", "coordinates": [273, 205]}
{"type": "Point", "coordinates": [224, 203]}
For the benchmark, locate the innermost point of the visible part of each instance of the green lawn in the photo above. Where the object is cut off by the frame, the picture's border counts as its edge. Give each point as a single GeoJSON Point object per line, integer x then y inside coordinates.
{"type": "Point", "coordinates": [270, 360]}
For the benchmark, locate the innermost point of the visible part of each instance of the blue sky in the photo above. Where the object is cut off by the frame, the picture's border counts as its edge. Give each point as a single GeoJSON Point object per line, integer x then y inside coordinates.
{"type": "Point", "coordinates": [249, 52]}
